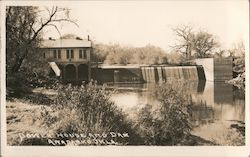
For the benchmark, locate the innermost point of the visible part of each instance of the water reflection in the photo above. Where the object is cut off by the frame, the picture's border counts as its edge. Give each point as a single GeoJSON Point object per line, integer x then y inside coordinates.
{"type": "Point", "coordinates": [214, 102]}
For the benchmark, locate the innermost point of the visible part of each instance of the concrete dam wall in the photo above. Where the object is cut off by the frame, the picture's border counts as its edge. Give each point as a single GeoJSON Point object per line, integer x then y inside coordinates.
{"type": "Point", "coordinates": [143, 74]}
{"type": "Point", "coordinates": [118, 74]}
{"type": "Point", "coordinates": [169, 73]}
{"type": "Point", "coordinates": [217, 69]}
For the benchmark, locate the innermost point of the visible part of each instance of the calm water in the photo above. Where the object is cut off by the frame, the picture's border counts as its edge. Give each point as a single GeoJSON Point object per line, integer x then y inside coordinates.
{"type": "Point", "coordinates": [214, 102]}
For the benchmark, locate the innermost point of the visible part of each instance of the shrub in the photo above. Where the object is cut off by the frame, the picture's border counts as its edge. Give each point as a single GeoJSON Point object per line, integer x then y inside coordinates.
{"type": "Point", "coordinates": [88, 109]}
{"type": "Point", "coordinates": [167, 123]}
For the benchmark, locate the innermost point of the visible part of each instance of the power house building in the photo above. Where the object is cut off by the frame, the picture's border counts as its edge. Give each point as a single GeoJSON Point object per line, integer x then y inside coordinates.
{"type": "Point", "coordinates": [70, 58]}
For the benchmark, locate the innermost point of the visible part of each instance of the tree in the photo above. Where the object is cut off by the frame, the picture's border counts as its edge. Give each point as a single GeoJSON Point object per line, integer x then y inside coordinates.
{"type": "Point", "coordinates": [117, 54]}
{"type": "Point", "coordinates": [238, 54]}
{"type": "Point", "coordinates": [175, 58]}
{"type": "Point", "coordinates": [220, 53]}
{"type": "Point", "coordinates": [194, 44]}
{"type": "Point", "coordinates": [238, 50]}
{"type": "Point", "coordinates": [203, 44]}
{"type": "Point", "coordinates": [186, 39]}
{"type": "Point", "coordinates": [24, 26]}
{"type": "Point", "coordinates": [70, 36]}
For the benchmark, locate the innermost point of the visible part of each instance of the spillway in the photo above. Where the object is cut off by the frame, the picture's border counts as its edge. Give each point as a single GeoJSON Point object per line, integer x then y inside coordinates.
{"type": "Point", "coordinates": [167, 73]}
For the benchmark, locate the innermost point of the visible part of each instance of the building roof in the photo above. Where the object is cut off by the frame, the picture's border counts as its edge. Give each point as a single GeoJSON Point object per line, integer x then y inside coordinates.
{"type": "Point", "coordinates": [65, 43]}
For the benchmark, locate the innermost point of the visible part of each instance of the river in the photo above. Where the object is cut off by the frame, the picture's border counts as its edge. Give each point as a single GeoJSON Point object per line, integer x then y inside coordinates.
{"type": "Point", "coordinates": [214, 102]}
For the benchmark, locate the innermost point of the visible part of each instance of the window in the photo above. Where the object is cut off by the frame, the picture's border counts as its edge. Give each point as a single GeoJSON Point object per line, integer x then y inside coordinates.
{"type": "Point", "coordinates": [72, 53]}
{"type": "Point", "coordinates": [85, 54]}
{"type": "Point", "coordinates": [59, 54]}
{"type": "Point", "coordinates": [54, 54]}
{"type": "Point", "coordinates": [67, 54]}
{"type": "Point", "coordinates": [80, 54]}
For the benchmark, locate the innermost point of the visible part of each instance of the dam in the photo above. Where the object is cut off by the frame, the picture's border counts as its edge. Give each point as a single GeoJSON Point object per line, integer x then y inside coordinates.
{"type": "Point", "coordinates": [208, 69]}
{"type": "Point", "coordinates": [147, 74]}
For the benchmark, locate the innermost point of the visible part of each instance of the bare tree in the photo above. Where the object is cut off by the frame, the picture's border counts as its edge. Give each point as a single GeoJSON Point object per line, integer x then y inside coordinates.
{"type": "Point", "coordinates": [186, 37]}
{"type": "Point", "coordinates": [24, 26]}
{"type": "Point", "coordinates": [193, 44]}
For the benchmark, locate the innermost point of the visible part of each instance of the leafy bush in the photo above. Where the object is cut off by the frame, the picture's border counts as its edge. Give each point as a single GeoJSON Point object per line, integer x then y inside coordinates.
{"type": "Point", "coordinates": [87, 109]}
{"type": "Point", "coordinates": [168, 123]}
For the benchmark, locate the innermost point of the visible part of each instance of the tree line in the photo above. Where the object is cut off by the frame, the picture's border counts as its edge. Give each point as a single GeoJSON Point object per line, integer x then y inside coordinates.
{"type": "Point", "coordinates": [117, 54]}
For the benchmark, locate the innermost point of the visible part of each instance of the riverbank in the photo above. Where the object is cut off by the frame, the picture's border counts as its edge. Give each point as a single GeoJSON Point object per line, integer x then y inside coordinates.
{"type": "Point", "coordinates": [239, 81]}
{"type": "Point", "coordinates": [24, 116]}
{"type": "Point", "coordinates": [227, 133]}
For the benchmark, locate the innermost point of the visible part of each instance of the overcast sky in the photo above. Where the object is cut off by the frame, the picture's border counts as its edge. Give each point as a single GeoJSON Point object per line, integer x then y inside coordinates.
{"type": "Point", "coordinates": [138, 23]}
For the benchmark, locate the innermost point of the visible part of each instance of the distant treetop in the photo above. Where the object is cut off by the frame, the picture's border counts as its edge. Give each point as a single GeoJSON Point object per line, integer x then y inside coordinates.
{"type": "Point", "coordinates": [70, 36]}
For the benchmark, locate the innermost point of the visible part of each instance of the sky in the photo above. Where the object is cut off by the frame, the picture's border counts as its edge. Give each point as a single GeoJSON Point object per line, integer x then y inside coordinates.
{"type": "Point", "coordinates": [138, 23]}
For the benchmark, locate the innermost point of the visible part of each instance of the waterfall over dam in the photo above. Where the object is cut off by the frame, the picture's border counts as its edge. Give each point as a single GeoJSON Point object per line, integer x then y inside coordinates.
{"type": "Point", "coordinates": [169, 73]}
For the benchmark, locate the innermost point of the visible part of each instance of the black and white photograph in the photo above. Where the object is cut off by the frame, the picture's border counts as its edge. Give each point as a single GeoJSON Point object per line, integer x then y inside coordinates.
{"type": "Point", "coordinates": [120, 75]}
